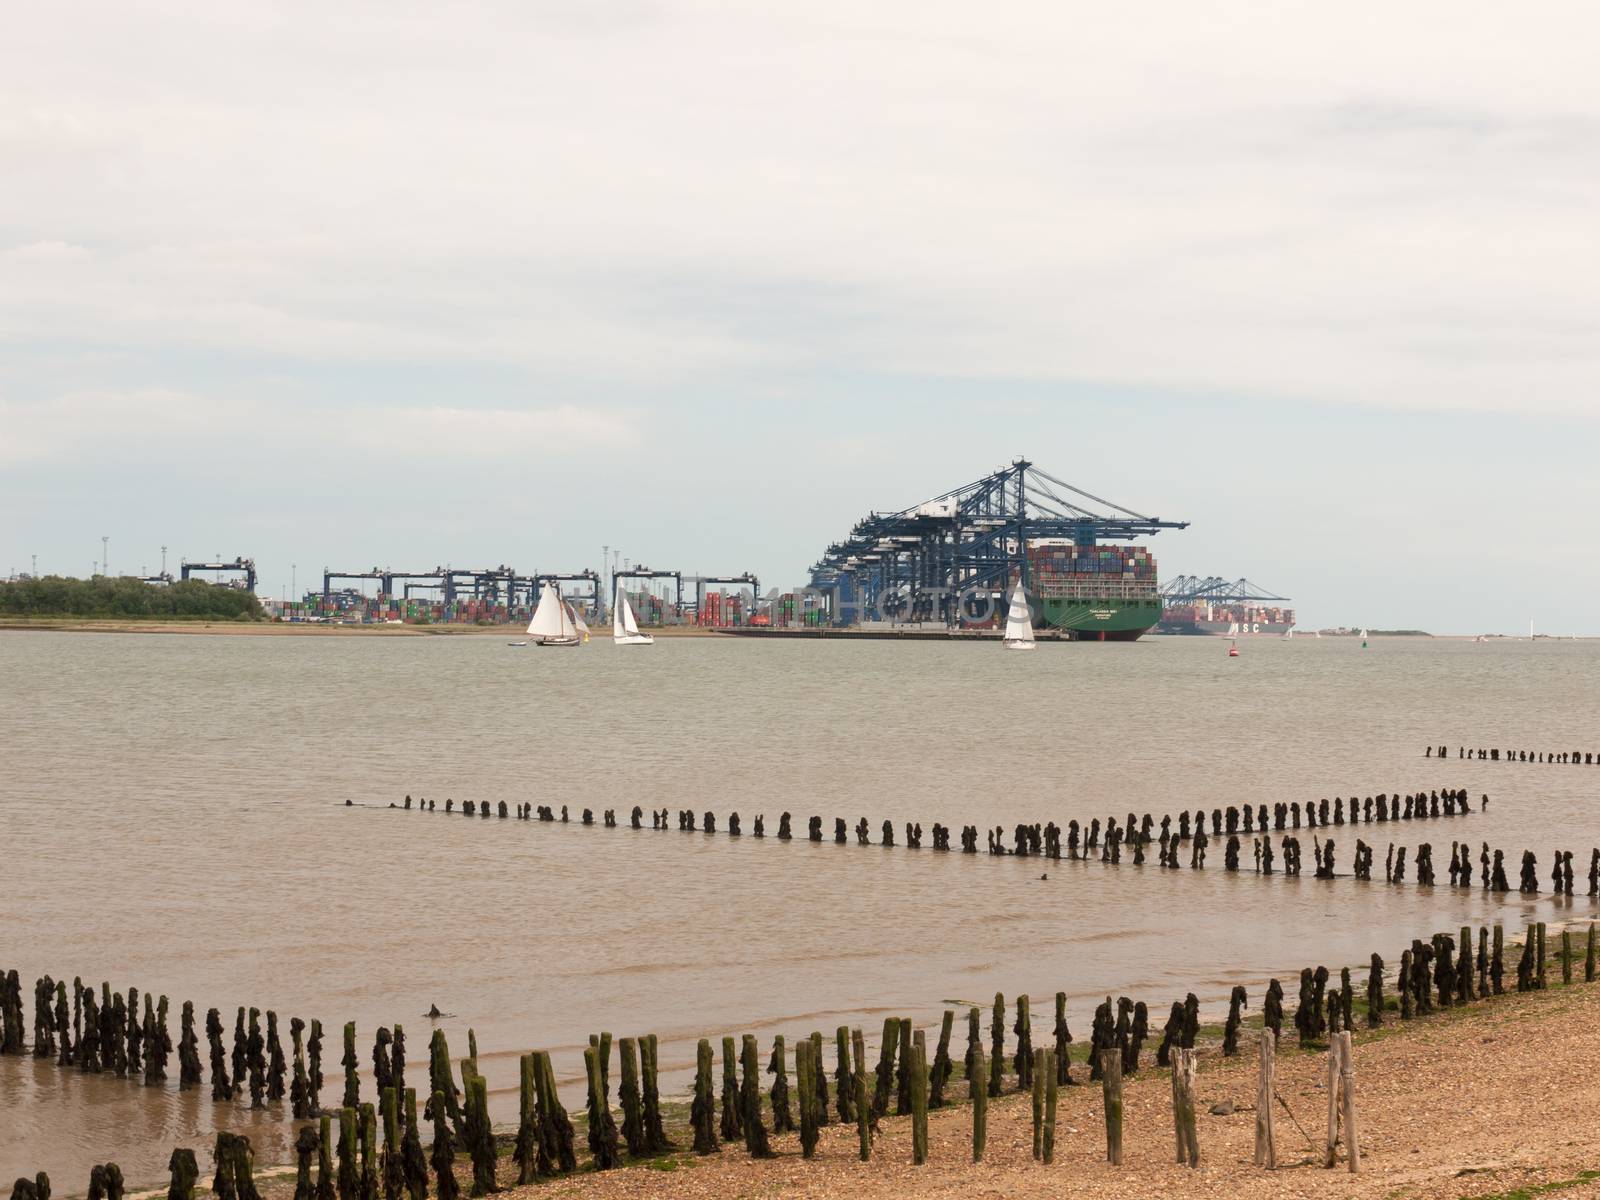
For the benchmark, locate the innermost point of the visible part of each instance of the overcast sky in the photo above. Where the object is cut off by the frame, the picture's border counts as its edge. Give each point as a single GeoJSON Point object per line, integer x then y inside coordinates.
{"type": "Point", "coordinates": [405, 284]}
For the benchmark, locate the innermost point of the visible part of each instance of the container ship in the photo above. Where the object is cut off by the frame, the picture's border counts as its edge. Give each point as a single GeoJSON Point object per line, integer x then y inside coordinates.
{"type": "Point", "coordinates": [1227, 620]}
{"type": "Point", "coordinates": [1097, 593]}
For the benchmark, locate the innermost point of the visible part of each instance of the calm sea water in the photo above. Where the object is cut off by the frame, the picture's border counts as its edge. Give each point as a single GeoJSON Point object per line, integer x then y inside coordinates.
{"type": "Point", "coordinates": [175, 820]}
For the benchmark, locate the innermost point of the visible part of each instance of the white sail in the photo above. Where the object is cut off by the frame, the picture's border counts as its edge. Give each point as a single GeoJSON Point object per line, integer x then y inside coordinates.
{"type": "Point", "coordinates": [1019, 625]}
{"type": "Point", "coordinates": [624, 629]}
{"type": "Point", "coordinates": [577, 623]}
{"type": "Point", "coordinates": [550, 618]}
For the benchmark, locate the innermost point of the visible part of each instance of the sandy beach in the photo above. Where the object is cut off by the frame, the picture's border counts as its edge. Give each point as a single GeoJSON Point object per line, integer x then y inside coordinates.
{"type": "Point", "coordinates": [1460, 1104]}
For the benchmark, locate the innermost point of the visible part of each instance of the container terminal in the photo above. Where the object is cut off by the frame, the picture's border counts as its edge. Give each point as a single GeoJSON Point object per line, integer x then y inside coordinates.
{"type": "Point", "coordinates": [949, 561]}
{"type": "Point", "coordinates": [1237, 608]}
{"type": "Point", "coordinates": [940, 568]}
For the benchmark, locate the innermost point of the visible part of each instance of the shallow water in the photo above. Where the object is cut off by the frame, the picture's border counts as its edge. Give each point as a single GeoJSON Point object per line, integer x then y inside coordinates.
{"type": "Point", "coordinates": [175, 821]}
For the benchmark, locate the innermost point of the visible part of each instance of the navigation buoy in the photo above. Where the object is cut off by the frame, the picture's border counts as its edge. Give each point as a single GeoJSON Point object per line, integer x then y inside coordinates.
{"type": "Point", "coordinates": [1233, 650]}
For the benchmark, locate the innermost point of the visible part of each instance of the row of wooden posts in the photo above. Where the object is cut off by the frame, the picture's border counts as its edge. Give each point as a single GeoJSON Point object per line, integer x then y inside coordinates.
{"type": "Point", "coordinates": [904, 1075]}
{"type": "Point", "coordinates": [1036, 840]}
{"type": "Point", "coordinates": [1045, 841]}
{"type": "Point", "coordinates": [101, 1036]}
{"type": "Point", "coordinates": [1586, 758]}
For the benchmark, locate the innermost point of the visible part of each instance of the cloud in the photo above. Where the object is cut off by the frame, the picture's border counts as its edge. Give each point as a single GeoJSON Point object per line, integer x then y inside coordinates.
{"type": "Point", "coordinates": [1292, 201]}
{"type": "Point", "coordinates": [164, 426]}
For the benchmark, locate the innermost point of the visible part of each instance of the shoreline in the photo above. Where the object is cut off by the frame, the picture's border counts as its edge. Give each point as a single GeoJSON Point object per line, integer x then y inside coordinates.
{"type": "Point", "coordinates": [297, 629]}
{"type": "Point", "coordinates": [1483, 1128]}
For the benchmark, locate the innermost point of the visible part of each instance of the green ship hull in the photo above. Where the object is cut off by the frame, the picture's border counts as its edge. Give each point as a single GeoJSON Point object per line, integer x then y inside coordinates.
{"type": "Point", "coordinates": [1102, 620]}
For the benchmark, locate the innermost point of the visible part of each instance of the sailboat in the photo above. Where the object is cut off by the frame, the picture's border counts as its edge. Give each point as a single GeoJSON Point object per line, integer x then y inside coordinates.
{"type": "Point", "coordinates": [1019, 625]}
{"type": "Point", "coordinates": [1288, 633]}
{"type": "Point", "coordinates": [553, 622]}
{"type": "Point", "coordinates": [1363, 639]}
{"type": "Point", "coordinates": [578, 623]}
{"type": "Point", "coordinates": [624, 629]}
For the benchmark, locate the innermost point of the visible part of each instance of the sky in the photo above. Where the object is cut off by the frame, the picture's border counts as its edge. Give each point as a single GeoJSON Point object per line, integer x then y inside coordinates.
{"type": "Point", "coordinates": [405, 284]}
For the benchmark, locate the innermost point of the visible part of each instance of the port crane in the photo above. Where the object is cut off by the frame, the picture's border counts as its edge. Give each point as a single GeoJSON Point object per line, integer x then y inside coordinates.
{"type": "Point", "coordinates": [1191, 589]}
{"type": "Point", "coordinates": [644, 572]}
{"type": "Point", "coordinates": [920, 559]}
{"type": "Point", "coordinates": [700, 582]}
{"type": "Point", "coordinates": [240, 566]}
{"type": "Point", "coordinates": [587, 575]}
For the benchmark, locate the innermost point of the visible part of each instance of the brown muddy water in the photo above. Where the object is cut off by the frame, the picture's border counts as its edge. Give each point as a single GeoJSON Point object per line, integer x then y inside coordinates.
{"type": "Point", "coordinates": [174, 820]}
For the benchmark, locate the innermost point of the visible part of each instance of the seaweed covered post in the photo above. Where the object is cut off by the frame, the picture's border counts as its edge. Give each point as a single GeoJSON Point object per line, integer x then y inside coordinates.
{"type": "Point", "coordinates": [843, 1077]}
{"type": "Point", "coordinates": [441, 1081]}
{"type": "Point", "coordinates": [352, 1065]}
{"type": "Point", "coordinates": [349, 1179]}
{"type": "Point", "coordinates": [480, 1138]}
{"type": "Point", "coordinates": [633, 1133]}
{"type": "Point", "coordinates": [883, 1086]}
{"type": "Point", "coordinates": [221, 1087]}
{"type": "Point", "coordinates": [919, 1100]}
{"type": "Point", "coordinates": [413, 1163]}
{"type": "Point", "coordinates": [189, 1068]}
{"type": "Point", "coordinates": [443, 1156]}
{"type": "Point", "coordinates": [1589, 956]}
{"type": "Point", "coordinates": [390, 1166]}
{"type": "Point", "coordinates": [300, 1086]}
{"type": "Point", "coordinates": [942, 1068]}
{"type": "Point", "coordinates": [603, 1142]}
{"type": "Point", "coordinates": [397, 1061]}
{"type": "Point", "coordinates": [276, 1067]}
{"type": "Point", "coordinates": [1375, 993]}
{"type": "Point", "coordinates": [806, 1080]}
{"type": "Point", "coordinates": [367, 1124]}
{"type": "Point", "coordinates": [997, 1045]}
{"type": "Point", "coordinates": [325, 1172]}
{"type": "Point", "coordinates": [1063, 1036]}
{"type": "Point", "coordinates": [777, 1067]}
{"type": "Point", "coordinates": [184, 1173]}
{"type": "Point", "coordinates": [703, 1112]}
{"type": "Point", "coordinates": [1024, 1055]}
{"type": "Point", "coordinates": [1237, 1001]}
{"type": "Point", "coordinates": [314, 1064]}
{"type": "Point", "coordinates": [555, 1126]}
{"type": "Point", "coordinates": [158, 1045]}
{"type": "Point", "coordinates": [63, 1026]}
{"type": "Point", "coordinates": [732, 1099]}
{"type": "Point", "coordinates": [525, 1151]}
{"type": "Point", "coordinates": [755, 1130]}
{"type": "Point", "coordinates": [655, 1133]}
{"type": "Point", "coordinates": [819, 1079]}
{"type": "Point", "coordinates": [305, 1151]}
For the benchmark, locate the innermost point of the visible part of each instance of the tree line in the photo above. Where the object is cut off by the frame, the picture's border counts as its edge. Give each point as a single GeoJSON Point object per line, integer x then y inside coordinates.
{"type": "Point", "coordinates": [125, 597]}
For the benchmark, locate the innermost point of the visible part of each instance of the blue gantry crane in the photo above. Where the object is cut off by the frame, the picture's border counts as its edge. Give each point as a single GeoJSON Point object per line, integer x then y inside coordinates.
{"type": "Point", "coordinates": [918, 561]}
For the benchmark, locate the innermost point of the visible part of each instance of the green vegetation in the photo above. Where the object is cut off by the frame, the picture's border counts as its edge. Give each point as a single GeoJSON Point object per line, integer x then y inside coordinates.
{"type": "Point", "coordinates": [125, 598]}
{"type": "Point", "coordinates": [1542, 1189]}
